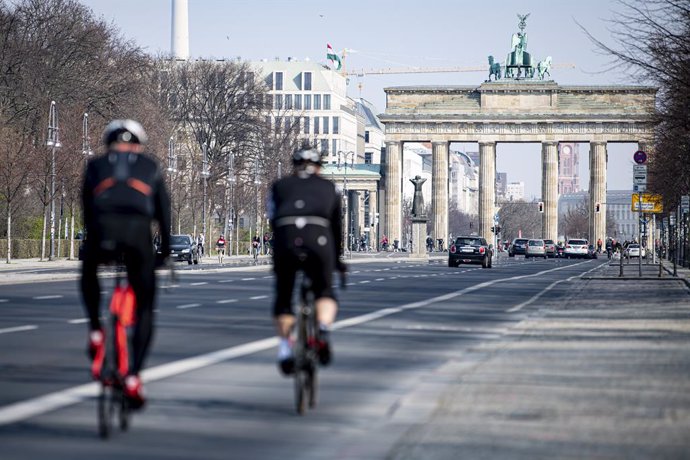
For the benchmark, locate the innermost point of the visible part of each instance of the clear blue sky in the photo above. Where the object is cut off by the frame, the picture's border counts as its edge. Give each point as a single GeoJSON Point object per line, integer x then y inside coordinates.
{"type": "Point", "coordinates": [397, 33]}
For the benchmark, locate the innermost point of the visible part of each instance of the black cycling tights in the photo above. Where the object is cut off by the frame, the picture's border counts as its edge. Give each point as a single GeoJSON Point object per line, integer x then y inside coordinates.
{"type": "Point", "coordinates": [140, 273]}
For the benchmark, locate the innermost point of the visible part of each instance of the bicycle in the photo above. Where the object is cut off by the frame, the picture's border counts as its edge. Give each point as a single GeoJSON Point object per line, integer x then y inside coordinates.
{"type": "Point", "coordinates": [221, 254]}
{"type": "Point", "coordinates": [112, 368]}
{"type": "Point", "coordinates": [306, 348]}
{"type": "Point", "coordinates": [305, 351]}
{"type": "Point", "coordinates": [255, 252]}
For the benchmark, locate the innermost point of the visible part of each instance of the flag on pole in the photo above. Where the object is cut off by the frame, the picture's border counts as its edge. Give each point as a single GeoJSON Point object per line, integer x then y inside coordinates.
{"type": "Point", "coordinates": [334, 58]}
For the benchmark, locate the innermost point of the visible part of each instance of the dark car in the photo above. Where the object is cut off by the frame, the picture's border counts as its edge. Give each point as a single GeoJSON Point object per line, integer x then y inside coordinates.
{"type": "Point", "coordinates": [518, 246]}
{"type": "Point", "coordinates": [470, 250]}
{"type": "Point", "coordinates": [183, 247]}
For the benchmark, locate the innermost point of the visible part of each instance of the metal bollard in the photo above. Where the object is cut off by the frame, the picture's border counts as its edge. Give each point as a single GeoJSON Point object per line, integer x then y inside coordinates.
{"type": "Point", "coordinates": [620, 274]}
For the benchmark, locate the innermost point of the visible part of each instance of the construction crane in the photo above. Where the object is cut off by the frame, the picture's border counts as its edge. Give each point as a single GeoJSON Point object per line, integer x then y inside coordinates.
{"type": "Point", "coordinates": [404, 70]}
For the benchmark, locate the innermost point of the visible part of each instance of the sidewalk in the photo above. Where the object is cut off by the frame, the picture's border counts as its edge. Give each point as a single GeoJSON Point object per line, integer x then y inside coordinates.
{"type": "Point", "coordinates": [602, 372]}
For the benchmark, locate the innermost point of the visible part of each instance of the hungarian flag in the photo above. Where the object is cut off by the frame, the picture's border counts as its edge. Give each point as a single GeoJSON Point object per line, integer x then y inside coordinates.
{"type": "Point", "coordinates": [334, 58]}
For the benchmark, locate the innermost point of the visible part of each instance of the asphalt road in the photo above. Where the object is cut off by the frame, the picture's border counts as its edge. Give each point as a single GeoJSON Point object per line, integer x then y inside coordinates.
{"type": "Point", "coordinates": [214, 390]}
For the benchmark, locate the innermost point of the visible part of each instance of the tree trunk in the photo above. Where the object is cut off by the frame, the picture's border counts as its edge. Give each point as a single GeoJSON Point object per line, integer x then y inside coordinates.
{"type": "Point", "coordinates": [43, 234]}
{"type": "Point", "coordinates": [71, 238]}
{"type": "Point", "coordinates": [9, 233]}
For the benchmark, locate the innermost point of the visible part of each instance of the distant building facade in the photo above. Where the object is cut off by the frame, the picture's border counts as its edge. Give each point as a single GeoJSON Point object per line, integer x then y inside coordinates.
{"type": "Point", "coordinates": [515, 191]}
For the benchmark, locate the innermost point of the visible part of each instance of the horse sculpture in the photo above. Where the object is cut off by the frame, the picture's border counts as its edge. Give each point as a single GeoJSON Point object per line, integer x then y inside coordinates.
{"type": "Point", "coordinates": [494, 69]}
{"type": "Point", "coordinates": [544, 68]}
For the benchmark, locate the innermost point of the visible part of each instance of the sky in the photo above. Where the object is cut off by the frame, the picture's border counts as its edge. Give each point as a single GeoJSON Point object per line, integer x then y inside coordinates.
{"type": "Point", "coordinates": [399, 33]}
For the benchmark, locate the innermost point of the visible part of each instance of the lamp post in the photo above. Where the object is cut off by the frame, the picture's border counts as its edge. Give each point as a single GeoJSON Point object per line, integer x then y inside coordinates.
{"type": "Point", "coordinates": [280, 169]}
{"type": "Point", "coordinates": [172, 168]}
{"type": "Point", "coordinates": [229, 216]}
{"type": "Point", "coordinates": [54, 143]}
{"type": "Point", "coordinates": [342, 162]}
{"type": "Point", "coordinates": [204, 177]}
{"type": "Point", "coordinates": [86, 152]}
{"type": "Point", "coordinates": [257, 182]}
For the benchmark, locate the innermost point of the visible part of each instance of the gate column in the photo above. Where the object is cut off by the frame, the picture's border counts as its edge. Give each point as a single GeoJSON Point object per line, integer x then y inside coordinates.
{"type": "Point", "coordinates": [549, 190]}
{"type": "Point", "coordinates": [393, 210]}
{"type": "Point", "coordinates": [597, 191]}
{"type": "Point", "coordinates": [439, 190]}
{"type": "Point", "coordinates": [487, 187]}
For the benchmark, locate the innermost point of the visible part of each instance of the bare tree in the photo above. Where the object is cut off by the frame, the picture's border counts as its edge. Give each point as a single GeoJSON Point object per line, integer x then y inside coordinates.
{"type": "Point", "coordinates": [519, 218]}
{"type": "Point", "coordinates": [652, 43]}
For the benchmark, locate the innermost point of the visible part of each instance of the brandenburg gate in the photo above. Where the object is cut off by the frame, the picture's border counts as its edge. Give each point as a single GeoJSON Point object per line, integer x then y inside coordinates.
{"type": "Point", "coordinates": [511, 110]}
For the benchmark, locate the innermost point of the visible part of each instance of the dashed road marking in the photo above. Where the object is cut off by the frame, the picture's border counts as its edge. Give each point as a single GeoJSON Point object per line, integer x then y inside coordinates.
{"type": "Point", "coordinates": [258, 297]}
{"type": "Point", "coordinates": [4, 300]}
{"type": "Point", "coordinates": [47, 297]}
{"type": "Point", "coordinates": [248, 279]}
{"type": "Point", "coordinates": [78, 321]}
{"type": "Point", "coordinates": [189, 305]}
{"type": "Point", "coordinates": [200, 283]}
{"type": "Point", "coordinates": [379, 279]}
{"type": "Point", "coordinates": [350, 284]}
{"type": "Point", "coordinates": [227, 301]}
{"type": "Point", "coordinates": [364, 282]}
{"type": "Point", "coordinates": [30, 327]}
{"type": "Point", "coordinates": [226, 281]}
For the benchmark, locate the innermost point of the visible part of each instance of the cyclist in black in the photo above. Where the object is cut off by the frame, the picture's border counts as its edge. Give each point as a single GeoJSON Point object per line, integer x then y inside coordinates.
{"type": "Point", "coordinates": [123, 193]}
{"type": "Point", "coordinates": [304, 209]}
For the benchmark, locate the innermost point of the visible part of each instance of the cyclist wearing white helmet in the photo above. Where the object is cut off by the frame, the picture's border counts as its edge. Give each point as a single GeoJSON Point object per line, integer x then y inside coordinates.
{"type": "Point", "coordinates": [304, 209]}
{"type": "Point", "coordinates": [123, 193]}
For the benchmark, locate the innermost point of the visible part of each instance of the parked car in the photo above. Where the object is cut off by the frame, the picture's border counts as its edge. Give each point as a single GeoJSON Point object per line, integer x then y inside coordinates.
{"type": "Point", "coordinates": [518, 246]}
{"type": "Point", "coordinates": [535, 248]}
{"type": "Point", "coordinates": [634, 250]}
{"type": "Point", "coordinates": [591, 252]}
{"type": "Point", "coordinates": [550, 248]}
{"type": "Point", "coordinates": [576, 249]}
{"type": "Point", "coordinates": [183, 247]}
{"type": "Point", "coordinates": [470, 250]}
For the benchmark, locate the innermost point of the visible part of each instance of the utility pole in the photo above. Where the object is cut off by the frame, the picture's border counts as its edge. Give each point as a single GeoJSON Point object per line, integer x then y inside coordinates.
{"type": "Point", "coordinates": [54, 143]}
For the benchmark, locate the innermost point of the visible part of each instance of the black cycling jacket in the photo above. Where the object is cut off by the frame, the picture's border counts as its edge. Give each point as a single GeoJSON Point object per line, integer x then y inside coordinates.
{"type": "Point", "coordinates": [126, 185]}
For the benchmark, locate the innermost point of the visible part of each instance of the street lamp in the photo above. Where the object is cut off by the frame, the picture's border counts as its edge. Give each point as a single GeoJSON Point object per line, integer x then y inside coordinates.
{"type": "Point", "coordinates": [204, 177]}
{"type": "Point", "coordinates": [54, 143]}
{"type": "Point", "coordinates": [257, 182]}
{"type": "Point", "coordinates": [85, 140]}
{"type": "Point", "coordinates": [172, 168]}
{"type": "Point", "coordinates": [342, 162]}
{"type": "Point", "coordinates": [229, 213]}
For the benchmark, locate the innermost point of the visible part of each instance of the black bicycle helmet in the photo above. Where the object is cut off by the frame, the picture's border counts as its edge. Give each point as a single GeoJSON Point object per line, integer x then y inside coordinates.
{"type": "Point", "coordinates": [306, 155]}
{"type": "Point", "coordinates": [124, 131]}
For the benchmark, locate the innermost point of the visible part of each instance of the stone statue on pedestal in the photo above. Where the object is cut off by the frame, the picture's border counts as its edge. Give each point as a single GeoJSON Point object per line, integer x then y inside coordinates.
{"type": "Point", "coordinates": [418, 200]}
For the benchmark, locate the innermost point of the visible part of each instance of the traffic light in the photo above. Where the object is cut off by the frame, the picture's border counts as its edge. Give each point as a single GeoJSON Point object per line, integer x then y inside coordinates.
{"type": "Point", "coordinates": [597, 207]}
{"type": "Point", "coordinates": [541, 206]}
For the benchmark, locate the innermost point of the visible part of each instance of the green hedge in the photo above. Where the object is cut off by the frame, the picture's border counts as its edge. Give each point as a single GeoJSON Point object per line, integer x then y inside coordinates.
{"type": "Point", "coordinates": [28, 249]}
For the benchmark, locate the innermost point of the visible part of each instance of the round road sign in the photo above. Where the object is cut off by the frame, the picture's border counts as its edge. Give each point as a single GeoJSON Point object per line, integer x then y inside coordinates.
{"type": "Point", "coordinates": [640, 157]}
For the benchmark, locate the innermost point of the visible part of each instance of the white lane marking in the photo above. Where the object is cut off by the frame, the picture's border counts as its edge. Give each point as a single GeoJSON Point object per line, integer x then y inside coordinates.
{"type": "Point", "coordinates": [32, 407]}
{"type": "Point", "coordinates": [364, 282]}
{"type": "Point", "coordinates": [78, 321]}
{"type": "Point", "coordinates": [30, 327]}
{"type": "Point", "coordinates": [350, 284]}
{"type": "Point", "coordinates": [356, 271]}
{"type": "Point", "coordinates": [200, 283]}
{"type": "Point", "coordinates": [40, 405]}
{"type": "Point", "coordinates": [248, 279]}
{"type": "Point", "coordinates": [227, 301]}
{"type": "Point", "coordinates": [267, 277]}
{"type": "Point", "coordinates": [379, 279]}
{"type": "Point", "coordinates": [423, 303]}
{"type": "Point", "coordinates": [4, 300]}
{"type": "Point", "coordinates": [47, 297]}
{"type": "Point", "coordinates": [189, 305]}
{"type": "Point", "coordinates": [258, 297]}
{"type": "Point", "coordinates": [545, 290]}
{"type": "Point", "coordinates": [386, 269]}
{"type": "Point", "coordinates": [226, 281]}
{"type": "Point", "coordinates": [393, 278]}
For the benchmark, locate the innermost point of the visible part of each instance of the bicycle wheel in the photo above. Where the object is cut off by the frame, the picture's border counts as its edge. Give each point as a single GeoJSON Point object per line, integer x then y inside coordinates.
{"type": "Point", "coordinates": [106, 409]}
{"type": "Point", "coordinates": [124, 410]}
{"type": "Point", "coordinates": [312, 386]}
{"type": "Point", "coordinates": [300, 391]}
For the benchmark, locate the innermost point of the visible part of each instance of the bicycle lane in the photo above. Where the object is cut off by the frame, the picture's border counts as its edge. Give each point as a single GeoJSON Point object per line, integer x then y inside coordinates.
{"type": "Point", "coordinates": [215, 367]}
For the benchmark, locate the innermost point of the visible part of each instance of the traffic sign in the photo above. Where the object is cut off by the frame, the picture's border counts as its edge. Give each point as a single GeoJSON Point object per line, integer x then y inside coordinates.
{"type": "Point", "coordinates": [639, 188]}
{"type": "Point", "coordinates": [640, 157]}
{"type": "Point", "coordinates": [650, 203]}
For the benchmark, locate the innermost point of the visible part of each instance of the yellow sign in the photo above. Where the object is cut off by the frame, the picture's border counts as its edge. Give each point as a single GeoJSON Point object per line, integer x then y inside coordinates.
{"type": "Point", "coordinates": [650, 203]}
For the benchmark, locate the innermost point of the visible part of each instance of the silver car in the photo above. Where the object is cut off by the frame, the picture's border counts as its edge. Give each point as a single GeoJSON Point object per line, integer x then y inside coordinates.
{"type": "Point", "coordinates": [535, 248]}
{"type": "Point", "coordinates": [576, 248]}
